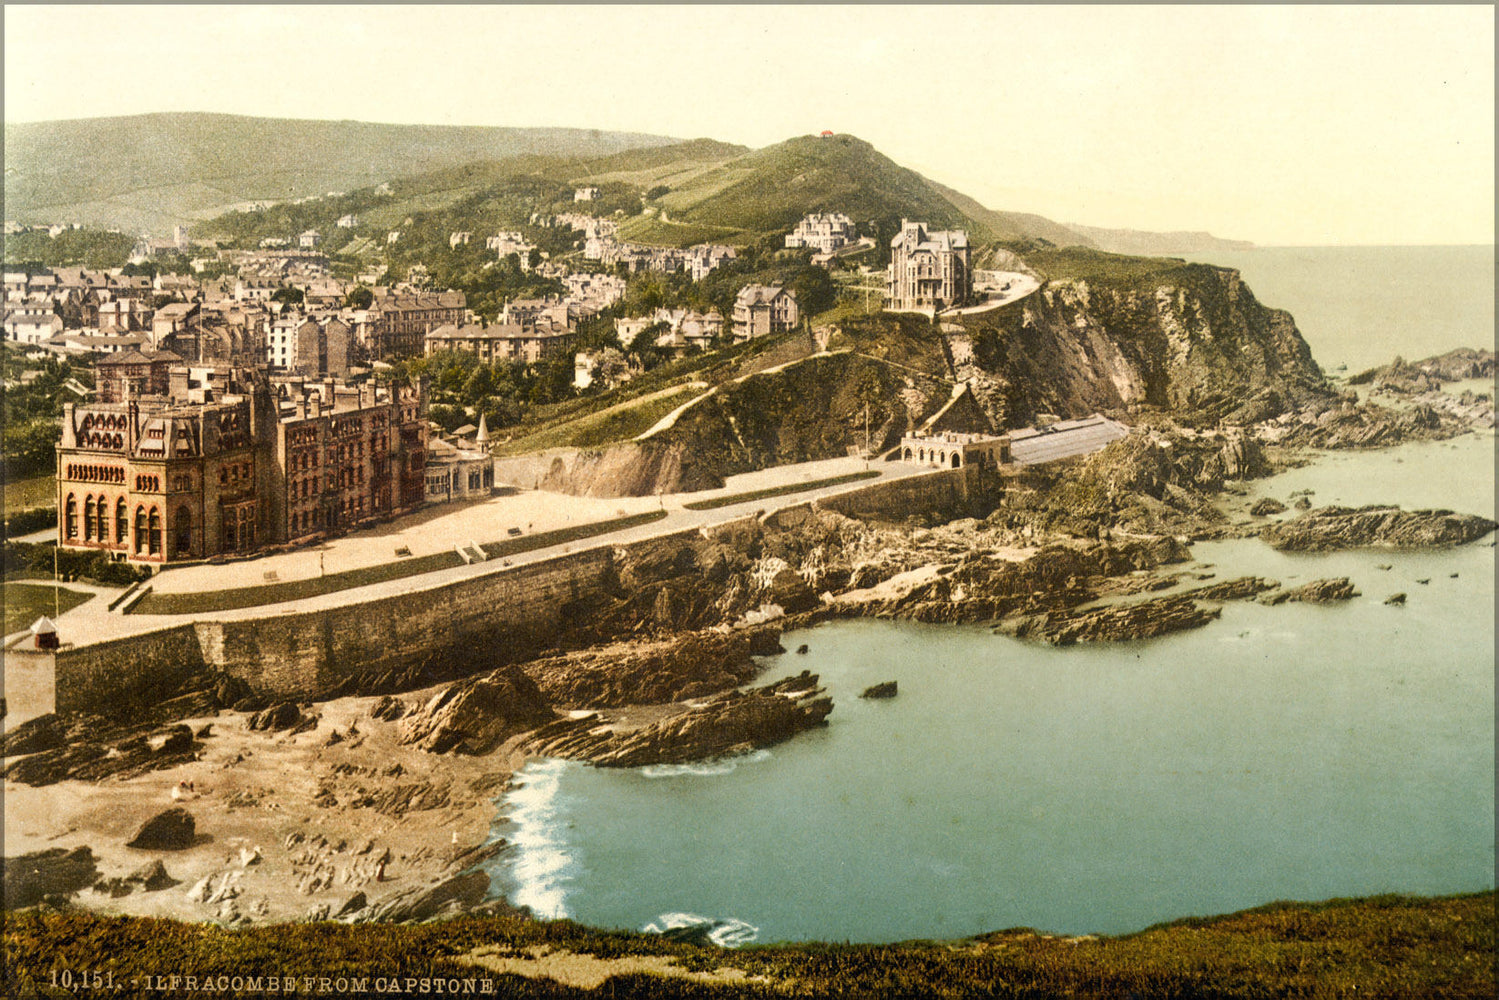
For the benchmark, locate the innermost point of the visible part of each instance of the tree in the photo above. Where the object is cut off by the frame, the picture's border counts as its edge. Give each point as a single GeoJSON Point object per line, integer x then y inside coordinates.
{"type": "Point", "coordinates": [359, 297]}
{"type": "Point", "coordinates": [815, 291]}
{"type": "Point", "coordinates": [288, 296]}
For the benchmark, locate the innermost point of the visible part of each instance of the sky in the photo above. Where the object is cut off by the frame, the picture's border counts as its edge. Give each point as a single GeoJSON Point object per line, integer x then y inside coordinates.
{"type": "Point", "coordinates": [1284, 125]}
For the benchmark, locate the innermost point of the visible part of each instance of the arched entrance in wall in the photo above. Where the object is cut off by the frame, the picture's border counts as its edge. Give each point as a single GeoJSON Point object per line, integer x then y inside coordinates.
{"type": "Point", "coordinates": [957, 459]}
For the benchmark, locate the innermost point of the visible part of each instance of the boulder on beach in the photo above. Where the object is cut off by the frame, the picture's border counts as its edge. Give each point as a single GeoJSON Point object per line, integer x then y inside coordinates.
{"type": "Point", "coordinates": [152, 876]}
{"type": "Point", "coordinates": [283, 716]}
{"type": "Point", "coordinates": [172, 830]}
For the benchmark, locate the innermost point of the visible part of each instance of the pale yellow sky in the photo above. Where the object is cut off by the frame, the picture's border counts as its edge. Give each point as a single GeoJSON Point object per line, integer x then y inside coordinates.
{"type": "Point", "coordinates": [1279, 124]}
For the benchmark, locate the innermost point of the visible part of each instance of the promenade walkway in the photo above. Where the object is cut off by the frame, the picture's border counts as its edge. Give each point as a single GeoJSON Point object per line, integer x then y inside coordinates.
{"type": "Point", "coordinates": [440, 528]}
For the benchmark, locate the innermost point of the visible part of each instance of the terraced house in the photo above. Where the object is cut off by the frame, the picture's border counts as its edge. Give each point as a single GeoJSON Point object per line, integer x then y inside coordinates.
{"type": "Point", "coordinates": [225, 461]}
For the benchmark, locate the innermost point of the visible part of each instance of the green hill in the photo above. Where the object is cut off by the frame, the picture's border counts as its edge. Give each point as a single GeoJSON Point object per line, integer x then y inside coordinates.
{"type": "Point", "coordinates": [150, 172]}
{"type": "Point", "coordinates": [769, 189]}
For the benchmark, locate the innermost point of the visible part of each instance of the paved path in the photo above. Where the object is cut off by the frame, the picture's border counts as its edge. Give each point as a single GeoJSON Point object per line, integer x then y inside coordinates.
{"type": "Point", "coordinates": [483, 521]}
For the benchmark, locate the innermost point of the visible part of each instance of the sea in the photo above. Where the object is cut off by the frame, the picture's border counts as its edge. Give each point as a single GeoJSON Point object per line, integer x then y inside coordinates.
{"type": "Point", "coordinates": [1298, 752]}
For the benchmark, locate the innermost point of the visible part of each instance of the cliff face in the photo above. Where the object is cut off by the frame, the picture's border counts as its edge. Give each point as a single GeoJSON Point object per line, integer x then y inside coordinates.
{"type": "Point", "coordinates": [1193, 341]}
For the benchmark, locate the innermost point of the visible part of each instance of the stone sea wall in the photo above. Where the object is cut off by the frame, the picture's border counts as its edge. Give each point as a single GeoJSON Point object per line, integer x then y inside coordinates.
{"type": "Point", "coordinates": [445, 631]}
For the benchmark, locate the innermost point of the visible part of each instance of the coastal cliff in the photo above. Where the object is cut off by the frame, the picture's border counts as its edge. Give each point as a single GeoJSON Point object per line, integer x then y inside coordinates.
{"type": "Point", "coordinates": [1187, 339]}
{"type": "Point", "coordinates": [1120, 335]}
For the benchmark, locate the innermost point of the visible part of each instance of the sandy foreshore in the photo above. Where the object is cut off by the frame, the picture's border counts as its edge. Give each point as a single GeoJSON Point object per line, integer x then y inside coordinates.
{"type": "Point", "coordinates": [301, 802]}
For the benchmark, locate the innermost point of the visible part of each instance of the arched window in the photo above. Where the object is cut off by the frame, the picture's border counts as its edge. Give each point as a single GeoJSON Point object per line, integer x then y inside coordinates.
{"type": "Point", "coordinates": [184, 530]}
{"type": "Point", "coordinates": [88, 519]}
{"type": "Point", "coordinates": [70, 520]}
{"type": "Point", "coordinates": [154, 527]}
{"type": "Point", "coordinates": [957, 459]}
{"type": "Point", "coordinates": [122, 522]}
{"type": "Point", "coordinates": [140, 530]}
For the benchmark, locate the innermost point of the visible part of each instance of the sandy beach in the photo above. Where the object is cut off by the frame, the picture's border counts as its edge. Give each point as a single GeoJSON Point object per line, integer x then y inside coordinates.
{"type": "Point", "coordinates": [291, 800]}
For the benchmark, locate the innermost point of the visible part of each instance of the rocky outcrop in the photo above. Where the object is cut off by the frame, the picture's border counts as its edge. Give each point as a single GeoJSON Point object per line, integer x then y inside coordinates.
{"type": "Point", "coordinates": [1422, 376]}
{"type": "Point", "coordinates": [1267, 506]}
{"type": "Point", "coordinates": [1316, 592]}
{"type": "Point", "coordinates": [283, 716]}
{"type": "Point", "coordinates": [94, 748]}
{"type": "Point", "coordinates": [727, 725]}
{"type": "Point", "coordinates": [1190, 339]}
{"type": "Point", "coordinates": [475, 716]}
{"type": "Point", "coordinates": [171, 830]}
{"type": "Point", "coordinates": [1144, 620]}
{"type": "Point", "coordinates": [56, 872]}
{"type": "Point", "coordinates": [691, 666]}
{"type": "Point", "coordinates": [1329, 528]}
{"type": "Point", "coordinates": [1240, 589]}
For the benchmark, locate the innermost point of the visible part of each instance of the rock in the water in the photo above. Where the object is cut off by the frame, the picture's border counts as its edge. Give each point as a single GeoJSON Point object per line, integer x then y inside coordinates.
{"type": "Point", "coordinates": [1396, 599]}
{"type": "Point", "coordinates": [283, 716]}
{"type": "Point", "coordinates": [32, 878]}
{"type": "Point", "coordinates": [1343, 527]}
{"type": "Point", "coordinates": [731, 723]}
{"type": "Point", "coordinates": [172, 830]}
{"type": "Point", "coordinates": [802, 649]}
{"type": "Point", "coordinates": [1238, 589]}
{"type": "Point", "coordinates": [1267, 506]}
{"type": "Point", "coordinates": [152, 876]}
{"type": "Point", "coordinates": [476, 715]}
{"type": "Point", "coordinates": [887, 689]}
{"type": "Point", "coordinates": [1143, 620]}
{"type": "Point", "coordinates": [765, 642]}
{"type": "Point", "coordinates": [1316, 592]}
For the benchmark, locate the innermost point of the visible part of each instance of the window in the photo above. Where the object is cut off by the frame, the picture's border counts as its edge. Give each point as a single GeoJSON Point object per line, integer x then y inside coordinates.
{"type": "Point", "coordinates": [88, 519]}
{"type": "Point", "coordinates": [140, 530]}
{"type": "Point", "coordinates": [154, 532]}
{"type": "Point", "coordinates": [122, 522]}
{"type": "Point", "coordinates": [70, 521]}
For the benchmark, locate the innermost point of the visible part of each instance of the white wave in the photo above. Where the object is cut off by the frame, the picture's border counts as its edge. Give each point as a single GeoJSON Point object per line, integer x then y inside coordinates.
{"type": "Point", "coordinates": [730, 933]}
{"type": "Point", "coordinates": [538, 857]}
{"type": "Point", "coordinates": [705, 768]}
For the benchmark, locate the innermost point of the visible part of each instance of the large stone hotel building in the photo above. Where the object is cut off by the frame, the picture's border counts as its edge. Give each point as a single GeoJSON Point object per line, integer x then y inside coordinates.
{"type": "Point", "coordinates": [176, 462]}
{"type": "Point", "coordinates": [928, 269]}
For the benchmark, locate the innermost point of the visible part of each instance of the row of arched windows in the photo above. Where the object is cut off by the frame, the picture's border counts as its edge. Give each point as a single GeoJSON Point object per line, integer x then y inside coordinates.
{"type": "Point", "coordinates": [98, 526]}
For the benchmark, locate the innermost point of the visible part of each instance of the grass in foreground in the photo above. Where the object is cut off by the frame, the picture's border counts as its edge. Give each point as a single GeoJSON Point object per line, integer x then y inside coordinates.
{"type": "Point", "coordinates": [26, 602]}
{"type": "Point", "coordinates": [1387, 946]}
{"type": "Point", "coordinates": [293, 590]}
{"type": "Point", "coordinates": [780, 491]}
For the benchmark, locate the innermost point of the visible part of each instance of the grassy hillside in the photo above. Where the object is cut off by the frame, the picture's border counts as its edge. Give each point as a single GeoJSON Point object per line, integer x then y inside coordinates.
{"type": "Point", "coordinates": [770, 189]}
{"type": "Point", "coordinates": [1388, 946]}
{"type": "Point", "coordinates": [149, 172]}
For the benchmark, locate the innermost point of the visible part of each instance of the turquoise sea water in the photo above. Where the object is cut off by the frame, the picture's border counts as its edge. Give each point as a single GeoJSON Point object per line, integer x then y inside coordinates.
{"type": "Point", "coordinates": [1295, 752]}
